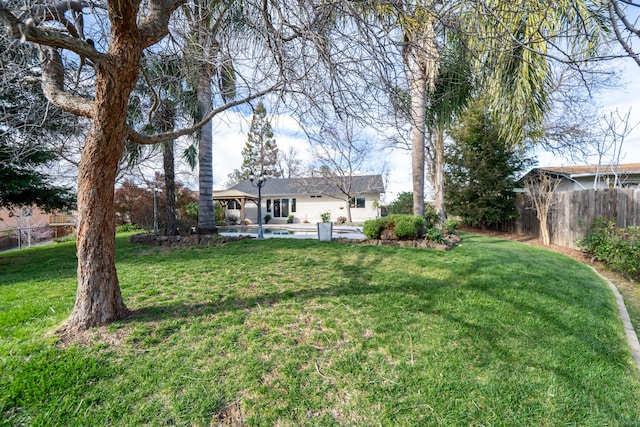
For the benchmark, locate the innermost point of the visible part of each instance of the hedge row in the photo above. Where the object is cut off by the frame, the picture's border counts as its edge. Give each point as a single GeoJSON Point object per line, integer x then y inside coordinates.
{"type": "Point", "coordinates": [619, 248]}
{"type": "Point", "coordinates": [406, 227]}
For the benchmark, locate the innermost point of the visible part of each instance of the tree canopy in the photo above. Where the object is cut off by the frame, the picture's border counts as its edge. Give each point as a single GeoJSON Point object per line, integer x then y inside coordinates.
{"type": "Point", "coordinates": [260, 153]}
{"type": "Point", "coordinates": [482, 170]}
{"type": "Point", "coordinates": [22, 183]}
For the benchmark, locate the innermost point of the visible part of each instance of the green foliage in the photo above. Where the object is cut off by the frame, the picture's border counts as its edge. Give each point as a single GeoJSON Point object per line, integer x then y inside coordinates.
{"type": "Point", "coordinates": [260, 152]}
{"type": "Point", "coordinates": [435, 235]}
{"type": "Point", "coordinates": [481, 171]}
{"type": "Point", "coordinates": [22, 182]}
{"type": "Point", "coordinates": [373, 227]}
{"type": "Point", "coordinates": [127, 228]}
{"type": "Point", "coordinates": [619, 248]}
{"type": "Point", "coordinates": [403, 204]}
{"type": "Point", "coordinates": [218, 212]}
{"type": "Point", "coordinates": [405, 227]}
{"type": "Point", "coordinates": [191, 209]}
{"type": "Point", "coordinates": [450, 226]}
{"type": "Point", "coordinates": [267, 218]}
{"type": "Point", "coordinates": [409, 227]}
{"type": "Point", "coordinates": [325, 216]}
{"type": "Point", "coordinates": [430, 215]}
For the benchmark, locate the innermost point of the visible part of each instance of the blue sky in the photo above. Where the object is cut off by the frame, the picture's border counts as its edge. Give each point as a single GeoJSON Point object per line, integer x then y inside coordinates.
{"type": "Point", "coordinates": [625, 98]}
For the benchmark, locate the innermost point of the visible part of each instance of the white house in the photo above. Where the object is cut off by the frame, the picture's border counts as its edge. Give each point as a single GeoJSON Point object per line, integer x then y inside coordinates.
{"type": "Point", "coordinates": [304, 198]}
{"type": "Point", "coordinates": [593, 177]}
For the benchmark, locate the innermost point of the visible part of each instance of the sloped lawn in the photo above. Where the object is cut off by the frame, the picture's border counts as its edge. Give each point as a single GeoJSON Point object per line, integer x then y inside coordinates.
{"type": "Point", "coordinates": [299, 332]}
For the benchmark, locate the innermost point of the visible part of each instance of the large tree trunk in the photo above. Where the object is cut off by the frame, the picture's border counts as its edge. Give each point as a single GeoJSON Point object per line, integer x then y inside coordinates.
{"type": "Point", "coordinates": [98, 299]}
{"type": "Point", "coordinates": [165, 120]}
{"type": "Point", "coordinates": [420, 57]}
{"type": "Point", "coordinates": [206, 214]}
{"type": "Point", "coordinates": [437, 172]}
{"type": "Point", "coordinates": [418, 133]}
{"type": "Point", "coordinates": [168, 161]}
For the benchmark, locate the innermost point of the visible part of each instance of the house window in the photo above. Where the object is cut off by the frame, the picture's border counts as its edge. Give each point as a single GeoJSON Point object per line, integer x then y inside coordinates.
{"type": "Point", "coordinates": [281, 207]}
{"type": "Point", "coordinates": [357, 202]}
{"type": "Point", "coordinates": [233, 204]}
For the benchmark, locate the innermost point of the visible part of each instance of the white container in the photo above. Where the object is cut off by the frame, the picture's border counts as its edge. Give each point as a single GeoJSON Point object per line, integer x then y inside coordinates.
{"type": "Point", "coordinates": [325, 231]}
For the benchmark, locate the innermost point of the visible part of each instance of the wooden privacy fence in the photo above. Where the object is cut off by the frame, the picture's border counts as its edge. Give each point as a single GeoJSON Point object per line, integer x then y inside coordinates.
{"type": "Point", "coordinates": [573, 212]}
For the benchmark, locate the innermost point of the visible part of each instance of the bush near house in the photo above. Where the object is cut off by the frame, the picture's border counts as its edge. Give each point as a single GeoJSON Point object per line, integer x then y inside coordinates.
{"type": "Point", "coordinates": [404, 227]}
{"type": "Point", "coordinates": [619, 248]}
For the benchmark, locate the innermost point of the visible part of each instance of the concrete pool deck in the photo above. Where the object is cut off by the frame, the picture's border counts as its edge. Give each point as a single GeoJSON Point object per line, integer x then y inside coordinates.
{"type": "Point", "coordinates": [290, 231]}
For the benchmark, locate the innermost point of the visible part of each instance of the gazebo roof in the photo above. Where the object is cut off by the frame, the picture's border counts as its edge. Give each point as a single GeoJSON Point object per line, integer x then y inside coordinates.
{"type": "Point", "coordinates": [232, 195]}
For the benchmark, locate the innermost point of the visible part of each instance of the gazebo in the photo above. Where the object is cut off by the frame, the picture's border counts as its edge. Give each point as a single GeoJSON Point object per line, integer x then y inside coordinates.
{"type": "Point", "coordinates": [225, 197]}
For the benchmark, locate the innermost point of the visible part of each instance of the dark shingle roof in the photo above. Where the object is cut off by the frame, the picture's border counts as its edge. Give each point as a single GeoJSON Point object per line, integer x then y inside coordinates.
{"type": "Point", "coordinates": [314, 186]}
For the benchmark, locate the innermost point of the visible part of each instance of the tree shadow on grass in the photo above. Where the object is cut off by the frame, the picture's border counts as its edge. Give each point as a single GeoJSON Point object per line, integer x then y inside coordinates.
{"type": "Point", "coordinates": [355, 279]}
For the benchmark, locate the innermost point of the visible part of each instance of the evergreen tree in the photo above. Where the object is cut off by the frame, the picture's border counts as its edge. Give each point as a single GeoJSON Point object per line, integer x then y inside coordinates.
{"type": "Point", "coordinates": [402, 205]}
{"type": "Point", "coordinates": [22, 184]}
{"type": "Point", "coordinates": [481, 171]}
{"type": "Point", "coordinates": [260, 152]}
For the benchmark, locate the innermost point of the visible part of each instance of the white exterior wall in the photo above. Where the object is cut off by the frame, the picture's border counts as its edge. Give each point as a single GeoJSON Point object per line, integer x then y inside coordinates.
{"type": "Point", "coordinates": [309, 209]}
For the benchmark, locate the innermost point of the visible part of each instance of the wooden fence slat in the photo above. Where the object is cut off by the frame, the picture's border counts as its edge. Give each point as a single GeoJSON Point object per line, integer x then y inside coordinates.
{"type": "Point", "coordinates": [574, 213]}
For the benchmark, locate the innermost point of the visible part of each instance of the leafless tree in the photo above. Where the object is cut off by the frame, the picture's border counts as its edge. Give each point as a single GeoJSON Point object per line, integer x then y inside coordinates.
{"type": "Point", "coordinates": [340, 153]}
{"type": "Point", "coordinates": [541, 188]}
{"type": "Point", "coordinates": [608, 150]}
{"type": "Point", "coordinates": [290, 164]}
{"type": "Point", "coordinates": [623, 15]}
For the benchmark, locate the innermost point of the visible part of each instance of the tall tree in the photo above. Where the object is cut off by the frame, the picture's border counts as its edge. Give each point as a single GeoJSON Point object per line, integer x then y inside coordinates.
{"type": "Point", "coordinates": [260, 153]}
{"type": "Point", "coordinates": [214, 58]}
{"type": "Point", "coordinates": [511, 44]}
{"type": "Point", "coordinates": [133, 26]}
{"type": "Point", "coordinates": [22, 183]}
{"type": "Point", "coordinates": [482, 170]}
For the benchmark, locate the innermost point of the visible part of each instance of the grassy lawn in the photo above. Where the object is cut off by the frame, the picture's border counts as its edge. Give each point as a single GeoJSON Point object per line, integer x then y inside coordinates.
{"type": "Point", "coordinates": [298, 332]}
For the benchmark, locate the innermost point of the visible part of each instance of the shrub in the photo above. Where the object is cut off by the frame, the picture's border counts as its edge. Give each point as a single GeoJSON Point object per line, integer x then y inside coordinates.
{"type": "Point", "coordinates": [325, 216]}
{"type": "Point", "coordinates": [435, 235]}
{"type": "Point", "coordinates": [450, 225]}
{"type": "Point", "coordinates": [68, 238]}
{"type": "Point", "coordinates": [430, 215]}
{"type": "Point", "coordinates": [267, 218]}
{"type": "Point", "coordinates": [125, 228]}
{"type": "Point", "coordinates": [341, 220]}
{"type": "Point", "coordinates": [372, 228]}
{"type": "Point", "coordinates": [618, 247]}
{"type": "Point", "coordinates": [406, 227]}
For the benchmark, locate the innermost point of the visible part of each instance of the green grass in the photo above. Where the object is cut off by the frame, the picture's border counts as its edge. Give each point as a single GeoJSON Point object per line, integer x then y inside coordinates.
{"type": "Point", "coordinates": [298, 332]}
